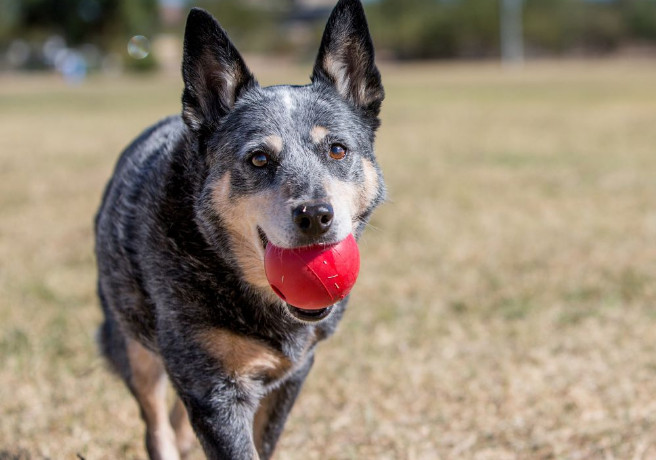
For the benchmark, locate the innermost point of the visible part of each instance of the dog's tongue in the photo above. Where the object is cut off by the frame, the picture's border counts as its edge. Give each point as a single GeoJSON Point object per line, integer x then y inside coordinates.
{"type": "Point", "coordinates": [314, 277]}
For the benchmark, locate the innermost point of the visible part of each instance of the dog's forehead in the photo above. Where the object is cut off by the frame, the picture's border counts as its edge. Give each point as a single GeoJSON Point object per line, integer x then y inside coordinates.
{"type": "Point", "coordinates": [298, 101]}
{"type": "Point", "coordinates": [287, 100]}
{"type": "Point", "coordinates": [290, 110]}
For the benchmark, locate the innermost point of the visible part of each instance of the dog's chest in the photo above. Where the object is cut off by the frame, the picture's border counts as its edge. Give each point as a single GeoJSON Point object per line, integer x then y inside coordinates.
{"type": "Point", "coordinates": [248, 359]}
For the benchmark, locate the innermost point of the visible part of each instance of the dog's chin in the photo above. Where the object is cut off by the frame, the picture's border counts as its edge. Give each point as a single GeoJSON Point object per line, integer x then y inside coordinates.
{"type": "Point", "coordinates": [309, 316]}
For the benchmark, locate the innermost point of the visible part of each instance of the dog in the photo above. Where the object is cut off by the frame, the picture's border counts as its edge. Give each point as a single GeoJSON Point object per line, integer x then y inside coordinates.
{"type": "Point", "coordinates": [185, 219]}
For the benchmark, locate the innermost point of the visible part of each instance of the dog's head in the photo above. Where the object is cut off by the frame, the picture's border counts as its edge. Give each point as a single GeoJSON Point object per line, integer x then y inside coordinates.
{"type": "Point", "coordinates": [293, 165]}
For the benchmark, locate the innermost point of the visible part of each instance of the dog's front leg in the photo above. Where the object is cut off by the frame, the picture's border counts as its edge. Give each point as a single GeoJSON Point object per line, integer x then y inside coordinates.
{"type": "Point", "coordinates": [273, 410]}
{"type": "Point", "coordinates": [220, 376]}
{"type": "Point", "coordinates": [222, 420]}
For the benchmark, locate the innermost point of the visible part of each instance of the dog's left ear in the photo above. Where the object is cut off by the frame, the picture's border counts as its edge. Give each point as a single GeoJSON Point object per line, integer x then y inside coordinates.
{"type": "Point", "coordinates": [213, 71]}
{"type": "Point", "coordinates": [346, 59]}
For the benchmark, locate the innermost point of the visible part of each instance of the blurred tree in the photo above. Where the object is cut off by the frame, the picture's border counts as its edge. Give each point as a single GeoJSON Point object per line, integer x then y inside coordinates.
{"type": "Point", "coordinates": [411, 29]}
{"type": "Point", "coordinates": [405, 29]}
{"type": "Point", "coordinates": [9, 17]}
{"type": "Point", "coordinates": [563, 25]}
{"type": "Point", "coordinates": [256, 27]}
{"type": "Point", "coordinates": [640, 17]}
{"type": "Point", "coordinates": [78, 21]}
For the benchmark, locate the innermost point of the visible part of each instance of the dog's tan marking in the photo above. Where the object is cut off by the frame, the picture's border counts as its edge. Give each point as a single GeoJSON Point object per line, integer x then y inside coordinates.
{"type": "Point", "coordinates": [244, 357]}
{"type": "Point", "coordinates": [344, 198]}
{"type": "Point", "coordinates": [354, 198]}
{"type": "Point", "coordinates": [371, 184]}
{"type": "Point", "coordinates": [336, 67]}
{"type": "Point", "coordinates": [318, 133]}
{"type": "Point", "coordinates": [185, 438]}
{"type": "Point", "coordinates": [274, 142]}
{"type": "Point", "coordinates": [261, 419]}
{"type": "Point", "coordinates": [239, 216]}
{"type": "Point", "coordinates": [148, 383]}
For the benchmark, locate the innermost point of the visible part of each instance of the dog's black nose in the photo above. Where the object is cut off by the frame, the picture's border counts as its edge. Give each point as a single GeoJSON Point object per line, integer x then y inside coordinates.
{"type": "Point", "coordinates": [313, 220]}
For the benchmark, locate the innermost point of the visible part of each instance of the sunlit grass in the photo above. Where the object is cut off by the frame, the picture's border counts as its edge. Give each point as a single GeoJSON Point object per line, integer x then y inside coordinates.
{"type": "Point", "coordinates": [506, 303]}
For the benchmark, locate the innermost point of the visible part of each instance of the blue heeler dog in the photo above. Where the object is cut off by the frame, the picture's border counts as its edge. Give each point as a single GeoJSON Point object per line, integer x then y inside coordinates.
{"type": "Point", "coordinates": [184, 221]}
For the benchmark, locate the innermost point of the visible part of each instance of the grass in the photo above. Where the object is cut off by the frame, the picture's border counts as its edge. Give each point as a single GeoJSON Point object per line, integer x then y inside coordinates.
{"type": "Point", "coordinates": [506, 305]}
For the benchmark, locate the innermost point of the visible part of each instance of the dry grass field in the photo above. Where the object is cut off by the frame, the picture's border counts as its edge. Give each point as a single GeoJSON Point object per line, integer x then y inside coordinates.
{"type": "Point", "coordinates": [507, 301]}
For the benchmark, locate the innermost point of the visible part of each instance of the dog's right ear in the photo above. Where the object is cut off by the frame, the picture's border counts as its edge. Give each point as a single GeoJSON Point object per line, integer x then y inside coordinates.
{"type": "Point", "coordinates": [213, 71]}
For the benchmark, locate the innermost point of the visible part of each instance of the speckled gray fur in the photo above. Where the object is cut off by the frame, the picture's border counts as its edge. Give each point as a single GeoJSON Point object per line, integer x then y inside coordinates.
{"type": "Point", "coordinates": [167, 265]}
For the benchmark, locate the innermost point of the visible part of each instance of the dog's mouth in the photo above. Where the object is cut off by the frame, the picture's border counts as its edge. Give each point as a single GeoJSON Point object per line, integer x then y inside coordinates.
{"type": "Point", "coordinates": [263, 238]}
{"type": "Point", "coordinates": [302, 314]}
{"type": "Point", "coordinates": [320, 242]}
{"type": "Point", "coordinates": [309, 316]}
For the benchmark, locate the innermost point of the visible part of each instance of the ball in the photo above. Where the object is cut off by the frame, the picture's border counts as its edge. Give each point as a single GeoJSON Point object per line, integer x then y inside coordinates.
{"type": "Point", "coordinates": [314, 277]}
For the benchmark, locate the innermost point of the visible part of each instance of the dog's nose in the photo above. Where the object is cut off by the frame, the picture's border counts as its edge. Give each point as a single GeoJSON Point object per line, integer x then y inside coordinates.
{"type": "Point", "coordinates": [313, 220]}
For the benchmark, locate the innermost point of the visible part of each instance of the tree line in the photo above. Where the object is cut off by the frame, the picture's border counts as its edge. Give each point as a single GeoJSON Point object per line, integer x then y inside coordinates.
{"type": "Point", "coordinates": [403, 29]}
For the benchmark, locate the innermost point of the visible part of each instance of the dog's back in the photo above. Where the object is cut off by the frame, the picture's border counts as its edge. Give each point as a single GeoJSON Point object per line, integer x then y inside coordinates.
{"type": "Point", "coordinates": [122, 225]}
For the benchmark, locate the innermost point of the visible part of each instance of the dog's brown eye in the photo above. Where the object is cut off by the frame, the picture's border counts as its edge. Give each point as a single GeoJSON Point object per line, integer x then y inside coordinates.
{"type": "Point", "coordinates": [337, 152]}
{"type": "Point", "coordinates": [260, 159]}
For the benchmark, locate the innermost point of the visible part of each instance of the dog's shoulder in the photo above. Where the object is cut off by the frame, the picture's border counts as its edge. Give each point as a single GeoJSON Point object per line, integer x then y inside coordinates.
{"type": "Point", "coordinates": [140, 163]}
{"type": "Point", "coordinates": [156, 142]}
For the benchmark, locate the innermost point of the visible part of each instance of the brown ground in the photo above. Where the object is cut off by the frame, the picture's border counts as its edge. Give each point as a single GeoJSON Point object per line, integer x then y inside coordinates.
{"type": "Point", "coordinates": [506, 306]}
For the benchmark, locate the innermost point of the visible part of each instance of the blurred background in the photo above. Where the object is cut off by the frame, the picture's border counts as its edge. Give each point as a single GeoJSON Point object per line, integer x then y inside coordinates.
{"type": "Point", "coordinates": [76, 37]}
{"type": "Point", "coordinates": [506, 306]}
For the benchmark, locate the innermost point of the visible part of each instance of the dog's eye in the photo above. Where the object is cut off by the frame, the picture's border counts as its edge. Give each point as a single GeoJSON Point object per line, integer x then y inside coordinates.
{"type": "Point", "coordinates": [260, 159]}
{"type": "Point", "coordinates": [337, 152]}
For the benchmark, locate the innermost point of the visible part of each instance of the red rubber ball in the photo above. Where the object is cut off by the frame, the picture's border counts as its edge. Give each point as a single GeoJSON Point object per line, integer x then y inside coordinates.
{"type": "Point", "coordinates": [313, 277]}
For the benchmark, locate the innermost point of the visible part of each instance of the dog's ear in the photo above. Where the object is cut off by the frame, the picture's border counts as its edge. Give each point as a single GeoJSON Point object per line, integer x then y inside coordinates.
{"type": "Point", "coordinates": [346, 58]}
{"type": "Point", "coordinates": [213, 71]}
